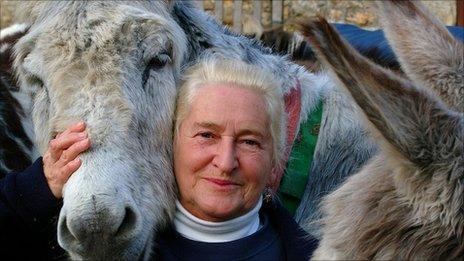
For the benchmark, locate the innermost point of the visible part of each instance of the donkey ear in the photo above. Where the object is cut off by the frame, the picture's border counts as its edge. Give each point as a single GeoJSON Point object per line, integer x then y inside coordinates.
{"type": "Point", "coordinates": [409, 119]}
{"type": "Point", "coordinates": [427, 51]}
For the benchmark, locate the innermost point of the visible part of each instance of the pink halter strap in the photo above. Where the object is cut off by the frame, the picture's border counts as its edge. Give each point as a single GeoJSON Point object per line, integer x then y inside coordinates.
{"type": "Point", "coordinates": [292, 108]}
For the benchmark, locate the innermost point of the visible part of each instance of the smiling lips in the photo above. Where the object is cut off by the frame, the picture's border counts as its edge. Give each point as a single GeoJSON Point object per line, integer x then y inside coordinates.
{"type": "Point", "coordinates": [221, 182]}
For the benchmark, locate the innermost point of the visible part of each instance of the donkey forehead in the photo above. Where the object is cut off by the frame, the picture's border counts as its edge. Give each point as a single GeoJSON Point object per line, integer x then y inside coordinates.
{"type": "Point", "coordinates": [98, 38]}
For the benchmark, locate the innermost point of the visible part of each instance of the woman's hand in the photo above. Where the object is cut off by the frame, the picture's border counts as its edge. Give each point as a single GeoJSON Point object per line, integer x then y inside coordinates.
{"type": "Point", "coordinates": [60, 160]}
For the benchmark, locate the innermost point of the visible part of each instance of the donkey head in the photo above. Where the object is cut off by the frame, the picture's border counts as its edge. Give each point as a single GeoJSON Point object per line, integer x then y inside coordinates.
{"type": "Point", "coordinates": [114, 66]}
{"type": "Point", "coordinates": [418, 122]}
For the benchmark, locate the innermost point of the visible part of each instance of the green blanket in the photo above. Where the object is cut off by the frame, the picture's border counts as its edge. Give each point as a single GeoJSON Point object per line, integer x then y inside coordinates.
{"type": "Point", "coordinates": [293, 184]}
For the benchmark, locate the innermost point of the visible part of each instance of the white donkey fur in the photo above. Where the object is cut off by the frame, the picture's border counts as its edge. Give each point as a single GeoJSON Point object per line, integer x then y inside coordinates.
{"type": "Point", "coordinates": [407, 202]}
{"type": "Point", "coordinates": [88, 61]}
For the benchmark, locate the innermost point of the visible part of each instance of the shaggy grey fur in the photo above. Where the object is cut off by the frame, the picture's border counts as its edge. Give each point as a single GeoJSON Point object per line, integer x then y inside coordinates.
{"type": "Point", "coordinates": [432, 58]}
{"type": "Point", "coordinates": [88, 60]}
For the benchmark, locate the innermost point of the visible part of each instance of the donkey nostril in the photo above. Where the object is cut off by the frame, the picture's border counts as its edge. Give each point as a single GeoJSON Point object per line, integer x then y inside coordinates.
{"type": "Point", "coordinates": [65, 232]}
{"type": "Point", "coordinates": [128, 224]}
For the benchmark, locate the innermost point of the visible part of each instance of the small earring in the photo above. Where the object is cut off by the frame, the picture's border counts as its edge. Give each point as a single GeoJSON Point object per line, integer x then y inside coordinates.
{"type": "Point", "coordinates": [268, 194]}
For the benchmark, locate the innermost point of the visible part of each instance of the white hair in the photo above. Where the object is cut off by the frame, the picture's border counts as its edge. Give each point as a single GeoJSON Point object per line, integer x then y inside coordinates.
{"type": "Point", "coordinates": [213, 70]}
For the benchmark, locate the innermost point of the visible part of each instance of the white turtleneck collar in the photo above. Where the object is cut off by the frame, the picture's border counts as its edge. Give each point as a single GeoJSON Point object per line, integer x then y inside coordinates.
{"type": "Point", "coordinates": [197, 229]}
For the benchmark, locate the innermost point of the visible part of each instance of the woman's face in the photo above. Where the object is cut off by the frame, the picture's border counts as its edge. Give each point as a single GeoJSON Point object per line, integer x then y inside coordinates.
{"type": "Point", "coordinates": [223, 152]}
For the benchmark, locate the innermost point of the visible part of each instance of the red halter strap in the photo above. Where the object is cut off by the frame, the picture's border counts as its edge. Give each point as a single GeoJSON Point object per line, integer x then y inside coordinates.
{"type": "Point", "coordinates": [293, 108]}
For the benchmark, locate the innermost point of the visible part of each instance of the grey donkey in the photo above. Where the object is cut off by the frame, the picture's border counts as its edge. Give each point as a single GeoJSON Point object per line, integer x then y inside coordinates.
{"type": "Point", "coordinates": [408, 201]}
{"type": "Point", "coordinates": [115, 65]}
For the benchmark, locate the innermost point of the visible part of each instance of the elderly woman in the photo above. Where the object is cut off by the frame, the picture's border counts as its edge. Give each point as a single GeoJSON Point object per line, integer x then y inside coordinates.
{"type": "Point", "coordinates": [229, 134]}
{"type": "Point", "coordinates": [228, 137]}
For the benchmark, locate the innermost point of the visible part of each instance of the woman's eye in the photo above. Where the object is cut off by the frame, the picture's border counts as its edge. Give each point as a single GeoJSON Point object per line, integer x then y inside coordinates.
{"type": "Point", "coordinates": [251, 143]}
{"type": "Point", "coordinates": [206, 135]}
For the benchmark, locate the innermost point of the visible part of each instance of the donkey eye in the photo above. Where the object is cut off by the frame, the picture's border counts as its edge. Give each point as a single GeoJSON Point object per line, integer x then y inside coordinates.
{"type": "Point", "coordinates": [156, 63]}
{"type": "Point", "coordinates": [159, 61]}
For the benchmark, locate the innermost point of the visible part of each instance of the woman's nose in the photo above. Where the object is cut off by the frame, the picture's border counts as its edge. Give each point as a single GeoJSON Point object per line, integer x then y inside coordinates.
{"type": "Point", "coordinates": [226, 157]}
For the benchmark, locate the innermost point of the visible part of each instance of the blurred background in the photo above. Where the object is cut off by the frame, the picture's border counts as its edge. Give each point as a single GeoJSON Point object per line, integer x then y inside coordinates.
{"type": "Point", "coordinates": [244, 15]}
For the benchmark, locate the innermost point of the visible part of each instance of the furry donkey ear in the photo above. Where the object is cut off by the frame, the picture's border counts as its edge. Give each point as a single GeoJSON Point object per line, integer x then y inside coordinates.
{"type": "Point", "coordinates": [427, 51]}
{"type": "Point", "coordinates": [412, 121]}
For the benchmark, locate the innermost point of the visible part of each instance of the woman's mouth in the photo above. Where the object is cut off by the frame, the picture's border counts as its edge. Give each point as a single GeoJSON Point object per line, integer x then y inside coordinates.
{"type": "Point", "coordinates": [221, 182]}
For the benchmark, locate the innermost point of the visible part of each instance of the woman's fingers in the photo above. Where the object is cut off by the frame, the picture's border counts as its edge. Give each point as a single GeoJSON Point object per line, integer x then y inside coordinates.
{"type": "Point", "coordinates": [77, 127]}
{"type": "Point", "coordinates": [61, 160]}
{"type": "Point", "coordinates": [47, 159]}
{"type": "Point", "coordinates": [69, 169]}
{"type": "Point", "coordinates": [64, 142]}
{"type": "Point", "coordinates": [73, 151]}
{"type": "Point", "coordinates": [59, 144]}
{"type": "Point", "coordinates": [65, 139]}
{"type": "Point", "coordinates": [58, 177]}
{"type": "Point", "coordinates": [58, 172]}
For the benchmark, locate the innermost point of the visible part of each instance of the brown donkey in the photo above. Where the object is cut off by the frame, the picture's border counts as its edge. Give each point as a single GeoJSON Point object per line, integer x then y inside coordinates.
{"type": "Point", "coordinates": [408, 201]}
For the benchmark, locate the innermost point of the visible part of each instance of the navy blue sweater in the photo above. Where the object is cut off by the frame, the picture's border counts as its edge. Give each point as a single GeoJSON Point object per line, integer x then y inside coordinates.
{"type": "Point", "coordinates": [280, 238]}
{"type": "Point", "coordinates": [28, 215]}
